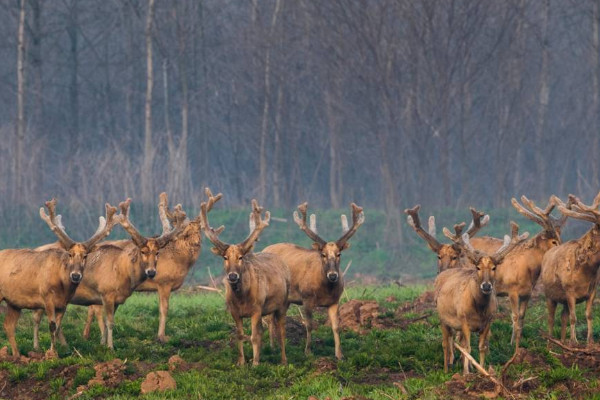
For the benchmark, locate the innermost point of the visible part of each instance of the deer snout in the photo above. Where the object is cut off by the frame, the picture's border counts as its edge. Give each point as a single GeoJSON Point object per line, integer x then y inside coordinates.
{"type": "Point", "coordinates": [233, 277]}
{"type": "Point", "coordinates": [333, 276]}
{"type": "Point", "coordinates": [75, 277]}
{"type": "Point", "coordinates": [150, 273]}
{"type": "Point", "coordinates": [486, 288]}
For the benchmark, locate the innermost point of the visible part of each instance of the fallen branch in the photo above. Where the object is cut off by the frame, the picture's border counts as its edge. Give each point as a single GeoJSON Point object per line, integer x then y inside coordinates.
{"type": "Point", "coordinates": [483, 371]}
{"type": "Point", "coordinates": [347, 267]}
{"type": "Point", "coordinates": [209, 288]}
{"type": "Point", "coordinates": [516, 355]}
{"type": "Point", "coordinates": [589, 352]}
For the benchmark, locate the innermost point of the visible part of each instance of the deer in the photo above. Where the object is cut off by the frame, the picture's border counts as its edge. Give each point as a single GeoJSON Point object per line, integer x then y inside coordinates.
{"type": "Point", "coordinates": [113, 271]}
{"type": "Point", "coordinates": [174, 264]}
{"type": "Point", "coordinates": [256, 284]}
{"type": "Point", "coordinates": [448, 255]}
{"type": "Point", "coordinates": [518, 273]}
{"type": "Point", "coordinates": [466, 297]}
{"type": "Point", "coordinates": [46, 279]}
{"type": "Point", "coordinates": [570, 271]}
{"type": "Point", "coordinates": [316, 280]}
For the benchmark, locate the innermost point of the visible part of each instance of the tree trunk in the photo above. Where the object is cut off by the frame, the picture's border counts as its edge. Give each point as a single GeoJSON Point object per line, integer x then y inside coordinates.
{"type": "Point", "coordinates": [74, 132]}
{"type": "Point", "coordinates": [543, 100]}
{"type": "Point", "coordinates": [595, 106]}
{"type": "Point", "coordinates": [148, 161]}
{"type": "Point", "coordinates": [20, 128]}
{"type": "Point", "coordinates": [334, 161]}
{"type": "Point", "coordinates": [262, 184]}
{"type": "Point", "coordinates": [277, 162]}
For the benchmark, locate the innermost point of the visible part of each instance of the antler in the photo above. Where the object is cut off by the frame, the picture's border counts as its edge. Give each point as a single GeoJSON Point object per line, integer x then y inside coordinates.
{"type": "Point", "coordinates": [210, 233]}
{"type": "Point", "coordinates": [480, 220]}
{"type": "Point", "coordinates": [509, 243]}
{"type": "Point", "coordinates": [302, 224]}
{"type": "Point", "coordinates": [578, 210]}
{"type": "Point", "coordinates": [55, 224]}
{"type": "Point", "coordinates": [415, 222]}
{"type": "Point", "coordinates": [358, 218]}
{"type": "Point", "coordinates": [541, 217]}
{"type": "Point", "coordinates": [259, 225]}
{"type": "Point", "coordinates": [475, 255]}
{"type": "Point", "coordinates": [137, 237]}
{"type": "Point", "coordinates": [105, 225]}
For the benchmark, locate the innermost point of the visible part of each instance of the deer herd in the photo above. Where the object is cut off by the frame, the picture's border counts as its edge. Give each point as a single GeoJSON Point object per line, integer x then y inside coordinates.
{"type": "Point", "coordinates": [472, 272]}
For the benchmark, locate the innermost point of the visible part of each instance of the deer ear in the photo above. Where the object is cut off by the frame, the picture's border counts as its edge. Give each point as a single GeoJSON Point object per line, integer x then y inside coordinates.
{"type": "Point", "coordinates": [316, 246]}
{"type": "Point", "coordinates": [215, 251]}
{"type": "Point", "coordinates": [345, 246]}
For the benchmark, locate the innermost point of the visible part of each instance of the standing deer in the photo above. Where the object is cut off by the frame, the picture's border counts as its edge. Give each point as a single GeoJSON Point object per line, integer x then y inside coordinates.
{"type": "Point", "coordinates": [466, 297]}
{"type": "Point", "coordinates": [174, 263]}
{"type": "Point", "coordinates": [448, 255]}
{"type": "Point", "coordinates": [316, 278]}
{"type": "Point", "coordinates": [256, 284]}
{"type": "Point", "coordinates": [517, 275]}
{"type": "Point", "coordinates": [570, 271]}
{"type": "Point", "coordinates": [46, 279]}
{"type": "Point", "coordinates": [113, 271]}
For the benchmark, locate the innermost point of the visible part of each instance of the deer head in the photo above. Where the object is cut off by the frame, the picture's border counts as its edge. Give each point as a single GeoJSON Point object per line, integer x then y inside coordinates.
{"type": "Point", "coordinates": [234, 254]}
{"type": "Point", "coordinates": [77, 251]}
{"type": "Point", "coordinates": [448, 255]}
{"type": "Point", "coordinates": [486, 264]}
{"type": "Point", "coordinates": [148, 247]}
{"type": "Point", "coordinates": [330, 252]}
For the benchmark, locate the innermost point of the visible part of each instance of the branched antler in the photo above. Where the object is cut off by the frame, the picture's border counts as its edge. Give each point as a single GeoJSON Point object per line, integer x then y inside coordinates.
{"type": "Point", "coordinates": [415, 222]}
{"type": "Point", "coordinates": [302, 224]}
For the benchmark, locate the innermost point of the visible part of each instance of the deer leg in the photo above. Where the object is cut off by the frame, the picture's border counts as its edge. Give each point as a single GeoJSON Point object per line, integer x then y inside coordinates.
{"type": "Point", "coordinates": [239, 327]}
{"type": "Point", "coordinates": [551, 305]}
{"type": "Point", "coordinates": [588, 315]}
{"type": "Point", "coordinates": [164, 293]}
{"type": "Point", "coordinates": [88, 322]}
{"type": "Point", "coordinates": [279, 317]}
{"type": "Point", "coordinates": [308, 322]}
{"type": "Point", "coordinates": [564, 318]}
{"type": "Point", "coordinates": [271, 322]}
{"type": "Point", "coordinates": [37, 318]}
{"type": "Point", "coordinates": [334, 318]}
{"type": "Point", "coordinates": [467, 346]}
{"type": "Point", "coordinates": [51, 314]}
{"type": "Point", "coordinates": [572, 318]}
{"type": "Point", "coordinates": [10, 324]}
{"type": "Point", "coordinates": [522, 310]}
{"type": "Point", "coordinates": [514, 311]}
{"type": "Point", "coordinates": [59, 331]}
{"type": "Point", "coordinates": [109, 309]}
{"type": "Point", "coordinates": [447, 341]}
{"type": "Point", "coordinates": [256, 337]}
{"type": "Point", "coordinates": [484, 343]}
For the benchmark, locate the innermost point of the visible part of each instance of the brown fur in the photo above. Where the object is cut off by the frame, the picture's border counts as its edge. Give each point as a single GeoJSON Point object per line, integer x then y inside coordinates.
{"type": "Point", "coordinates": [466, 297]}
{"type": "Point", "coordinates": [570, 276]}
{"type": "Point", "coordinates": [114, 270]}
{"type": "Point", "coordinates": [309, 268]}
{"type": "Point", "coordinates": [464, 308]}
{"type": "Point", "coordinates": [45, 279]}
{"type": "Point", "coordinates": [256, 285]}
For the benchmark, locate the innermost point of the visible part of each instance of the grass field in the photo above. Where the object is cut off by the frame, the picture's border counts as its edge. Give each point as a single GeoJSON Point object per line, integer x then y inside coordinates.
{"type": "Point", "coordinates": [398, 360]}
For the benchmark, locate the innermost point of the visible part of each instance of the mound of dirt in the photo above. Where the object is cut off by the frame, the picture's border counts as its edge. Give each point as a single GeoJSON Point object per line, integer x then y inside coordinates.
{"type": "Point", "coordinates": [358, 315]}
{"type": "Point", "coordinates": [426, 301]}
{"type": "Point", "coordinates": [158, 381]}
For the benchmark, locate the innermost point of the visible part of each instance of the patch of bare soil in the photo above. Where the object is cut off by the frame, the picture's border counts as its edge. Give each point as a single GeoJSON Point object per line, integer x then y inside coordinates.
{"type": "Point", "coordinates": [158, 381]}
{"type": "Point", "coordinates": [36, 389]}
{"type": "Point", "coordinates": [110, 373]}
{"type": "Point", "coordinates": [324, 365]}
{"type": "Point", "coordinates": [360, 315]}
{"type": "Point", "coordinates": [295, 331]}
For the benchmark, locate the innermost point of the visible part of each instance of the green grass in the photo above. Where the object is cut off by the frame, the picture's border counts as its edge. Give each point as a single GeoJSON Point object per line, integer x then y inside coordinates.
{"type": "Point", "coordinates": [201, 333]}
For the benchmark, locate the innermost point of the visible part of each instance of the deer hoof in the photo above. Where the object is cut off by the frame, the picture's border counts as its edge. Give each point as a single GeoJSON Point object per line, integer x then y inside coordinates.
{"type": "Point", "coordinates": [164, 338]}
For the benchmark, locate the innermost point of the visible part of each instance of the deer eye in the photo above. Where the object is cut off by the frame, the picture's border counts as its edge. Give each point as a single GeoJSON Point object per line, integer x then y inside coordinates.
{"type": "Point", "coordinates": [240, 257]}
{"type": "Point", "coordinates": [494, 268]}
{"type": "Point", "coordinates": [338, 254]}
{"type": "Point", "coordinates": [225, 258]}
{"type": "Point", "coordinates": [439, 257]}
{"type": "Point", "coordinates": [323, 255]}
{"type": "Point", "coordinates": [478, 268]}
{"type": "Point", "coordinates": [454, 258]}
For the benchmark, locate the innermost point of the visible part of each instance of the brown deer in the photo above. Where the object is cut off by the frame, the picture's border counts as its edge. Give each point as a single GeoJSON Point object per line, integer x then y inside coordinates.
{"type": "Point", "coordinates": [174, 263]}
{"type": "Point", "coordinates": [45, 280]}
{"type": "Point", "coordinates": [256, 284]}
{"type": "Point", "coordinates": [517, 275]}
{"type": "Point", "coordinates": [448, 255]}
{"type": "Point", "coordinates": [466, 297]}
{"type": "Point", "coordinates": [113, 271]}
{"type": "Point", "coordinates": [316, 278]}
{"type": "Point", "coordinates": [570, 271]}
